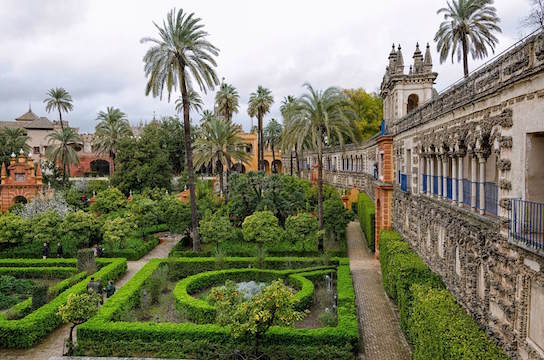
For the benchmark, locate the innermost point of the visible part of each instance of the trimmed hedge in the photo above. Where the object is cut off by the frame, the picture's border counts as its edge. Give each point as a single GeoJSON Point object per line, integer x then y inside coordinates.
{"type": "Point", "coordinates": [28, 331]}
{"type": "Point", "coordinates": [38, 263]}
{"type": "Point", "coordinates": [434, 323]}
{"type": "Point", "coordinates": [103, 336]}
{"type": "Point", "coordinates": [135, 249]}
{"type": "Point", "coordinates": [367, 218]}
{"type": "Point", "coordinates": [50, 272]}
{"type": "Point", "coordinates": [201, 311]}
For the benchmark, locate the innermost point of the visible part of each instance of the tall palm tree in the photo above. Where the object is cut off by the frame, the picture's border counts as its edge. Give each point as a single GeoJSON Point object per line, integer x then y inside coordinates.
{"type": "Point", "coordinates": [259, 105]}
{"type": "Point", "coordinates": [195, 101]}
{"type": "Point", "coordinates": [61, 149]}
{"type": "Point", "coordinates": [288, 110]}
{"type": "Point", "coordinates": [61, 100]}
{"type": "Point", "coordinates": [468, 27]}
{"type": "Point", "coordinates": [226, 101]}
{"type": "Point", "coordinates": [272, 135]}
{"type": "Point", "coordinates": [112, 127]}
{"type": "Point", "coordinates": [320, 115]}
{"type": "Point", "coordinates": [182, 55]}
{"type": "Point", "coordinates": [220, 142]}
{"type": "Point", "coordinates": [206, 116]}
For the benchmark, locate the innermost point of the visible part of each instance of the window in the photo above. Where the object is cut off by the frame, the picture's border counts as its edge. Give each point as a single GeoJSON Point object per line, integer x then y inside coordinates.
{"type": "Point", "coordinates": [413, 103]}
{"type": "Point", "coordinates": [20, 177]}
{"type": "Point", "coordinates": [36, 149]}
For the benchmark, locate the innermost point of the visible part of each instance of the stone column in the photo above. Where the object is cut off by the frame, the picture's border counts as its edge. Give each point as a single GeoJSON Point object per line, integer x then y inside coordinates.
{"type": "Point", "coordinates": [431, 176]}
{"type": "Point", "coordinates": [460, 176]}
{"type": "Point", "coordinates": [440, 190]}
{"type": "Point", "coordinates": [421, 173]}
{"type": "Point", "coordinates": [473, 181]}
{"type": "Point", "coordinates": [453, 179]}
{"type": "Point", "coordinates": [482, 184]}
{"type": "Point", "coordinates": [445, 177]}
{"type": "Point", "coordinates": [428, 175]}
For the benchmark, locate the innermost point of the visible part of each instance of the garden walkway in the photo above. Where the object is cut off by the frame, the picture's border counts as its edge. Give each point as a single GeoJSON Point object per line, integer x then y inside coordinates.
{"type": "Point", "coordinates": [53, 344]}
{"type": "Point", "coordinates": [381, 336]}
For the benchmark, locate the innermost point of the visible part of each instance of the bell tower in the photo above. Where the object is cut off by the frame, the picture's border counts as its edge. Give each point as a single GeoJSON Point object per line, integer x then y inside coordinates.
{"type": "Point", "coordinates": [404, 91]}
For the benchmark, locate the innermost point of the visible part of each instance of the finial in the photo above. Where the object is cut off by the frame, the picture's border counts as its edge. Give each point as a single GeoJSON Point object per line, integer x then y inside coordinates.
{"type": "Point", "coordinates": [12, 154]}
{"type": "Point", "coordinates": [399, 47]}
{"type": "Point", "coordinates": [130, 192]}
{"type": "Point", "coordinates": [29, 106]}
{"type": "Point", "coordinates": [428, 46]}
{"type": "Point", "coordinates": [417, 45]}
{"type": "Point", "coordinates": [21, 152]}
{"type": "Point", "coordinates": [30, 154]}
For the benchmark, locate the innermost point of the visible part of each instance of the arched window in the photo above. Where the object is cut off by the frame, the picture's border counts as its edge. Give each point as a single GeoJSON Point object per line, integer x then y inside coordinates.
{"type": "Point", "coordinates": [413, 103]}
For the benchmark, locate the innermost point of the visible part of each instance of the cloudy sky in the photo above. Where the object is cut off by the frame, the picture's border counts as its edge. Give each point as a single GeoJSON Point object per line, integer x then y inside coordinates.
{"type": "Point", "coordinates": [92, 48]}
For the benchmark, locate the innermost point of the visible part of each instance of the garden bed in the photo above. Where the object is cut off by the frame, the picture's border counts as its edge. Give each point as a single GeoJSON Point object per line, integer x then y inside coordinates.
{"type": "Point", "coordinates": [107, 335]}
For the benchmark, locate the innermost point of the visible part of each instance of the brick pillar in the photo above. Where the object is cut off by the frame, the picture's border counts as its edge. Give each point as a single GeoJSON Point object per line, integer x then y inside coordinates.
{"type": "Point", "coordinates": [383, 190]}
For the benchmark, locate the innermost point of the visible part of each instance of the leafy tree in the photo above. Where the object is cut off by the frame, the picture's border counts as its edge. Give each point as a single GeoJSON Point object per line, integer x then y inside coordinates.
{"type": "Point", "coordinates": [46, 227]}
{"type": "Point", "coordinates": [143, 211]}
{"type": "Point", "coordinates": [112, 127]}
{"type": "Point", "coordinates": [172, 140]}
{"type": "Point", "coordinates": [226, 101]}
{"type": "Point", "coordinates": [143, 163]}
{"type": "Point", "coordinates": [283, 195]}
{"type": "Point", "coordinates": [273, 306]}
{"type": "Point", "coordinates": [336, 218]}
{"type": "Point", "coordinates": [79, 228]}
{"type": "Point", "coordinates": [368, 109]}
{"type": "Point", "coordinates": [78, 309]}
{"type": "Point", "coordinates": [246, 192]}
{"type": "Point", "coordinates": [61, 100]}
{"type": "Point", "coordinates": [12, 140]}
{"type": "Point", "coordinates": [175, 213]}
{"type": "Point", "coordinates": [61, 150]}
{"type": "Point", "coordinates": [320, 116]}
{"type": "Point", "coordinates": [468, 27]}
{"type": "Point", "coordinates": [117, 230]}
{"type": "Point", "coordinates": [109, 200]}
{"type": "Point", "coordinates": [73, 198]}
{"type": "Point", "coordinates": [41, 204]}
{"type": "Point", "coordinates": [261, 228]}
{"type": "Point", "coordinates": [259, 105]}
{"type": "Point", "coordinates": [302, 228]}
{"type": "Point", "coordinates": [272, 136]}
{"type": "Point", "coordinates": [14, 229]}
{"type": "Point", "coordinates": [216, 228]}
{"type": "Point", "coordinates": [180, 56]}
{"type": "Point", "coordinates": [220, 142]}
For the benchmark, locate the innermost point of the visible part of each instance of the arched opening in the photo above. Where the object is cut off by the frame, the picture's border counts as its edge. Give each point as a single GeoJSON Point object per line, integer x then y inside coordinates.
{"type": "Point", "coordinates": [100, 167]}
{"type": "Point", "coordinates": [266, 167]}
{"type": "Point", "coordinates": [276, 166]}
{"type": "Point", "coordinates": [413, 103]}
{"type": "Point", "coordinates": [239, 168]}
{"type": "Point", "coordinates": [20, 200]}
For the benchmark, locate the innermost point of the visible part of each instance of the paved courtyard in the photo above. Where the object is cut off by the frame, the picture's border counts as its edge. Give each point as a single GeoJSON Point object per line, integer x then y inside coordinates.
{"type": "Point", "coordinates": [381, 336]}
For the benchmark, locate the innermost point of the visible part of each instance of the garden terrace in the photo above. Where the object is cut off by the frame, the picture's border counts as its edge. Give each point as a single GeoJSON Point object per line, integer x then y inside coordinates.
{"type": "Point", "coordinates": [33, 325]}
{"type": "Point", "coordinates": [104, 335]}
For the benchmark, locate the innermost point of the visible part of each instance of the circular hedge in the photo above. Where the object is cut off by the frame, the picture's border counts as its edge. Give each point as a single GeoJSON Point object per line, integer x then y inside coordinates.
{"type": "Point", "coordinates": [202, 312]}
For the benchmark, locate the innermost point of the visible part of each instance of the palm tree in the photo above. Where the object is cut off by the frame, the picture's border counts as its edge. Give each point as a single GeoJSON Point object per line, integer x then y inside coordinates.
{"type": "Point", "coordinates": [226, 100]}
{"type": "Point", "coordinates": [259, 105]}
{"type": "Point", "coordinates": [468, 27]}
{"type": "Point", "coordinates": [12, 140]}
{"type": "Point", "coordinates": [182, 55]}
{"type": "Point", "coordinates": [61, 100]}
{"type": "Point", "coordinates": [113, 127]}
{"type": "Point", "coordinates": [288, 110]}
{"type": "Point", "coordinates": [320, 115]}
{"type": "Point", "coordinates": [206, 116]}
{"type": "Point", "coordinates": [195, 102]}
{"type": "Point", "coordinates": [220, 142]}
{"type": "Point", "coordinates": [61, 149]}
{"type": "Point", "coordinates": [272, 135]}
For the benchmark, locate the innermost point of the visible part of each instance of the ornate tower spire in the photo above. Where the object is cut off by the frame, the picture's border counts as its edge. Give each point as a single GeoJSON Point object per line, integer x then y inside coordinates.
{"type": "Point", "coordinates": [400, 61]}
{"type": "Point", "coordinates": [428, 62]}
{"type": "Point", "coordinates": [392, 59]}
{"type": "Point", "coordinates": [3, 172]}
{"type": "Point", "coordinates": [418, 60]}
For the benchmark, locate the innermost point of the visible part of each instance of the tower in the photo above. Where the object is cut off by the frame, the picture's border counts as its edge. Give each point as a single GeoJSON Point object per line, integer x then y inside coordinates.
{"type": "Point", "coordinates": [404, 92]}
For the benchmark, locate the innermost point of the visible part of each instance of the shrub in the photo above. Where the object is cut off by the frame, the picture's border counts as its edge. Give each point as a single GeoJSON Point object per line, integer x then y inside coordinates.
{"type": "Point", "coordinates": [261, 228]}
{"type": "Point", "coordinates": [174, 213]}
{"type": "Point", "coordinates": [41, 204]}
{"type": "Point", "coordinates": [335, 218]}
{"type": "Point", "coordinates": [13, 290]}
{"type": "Point", "coordinates": [302, 228]}
{"type": "Point", "coordinates": [14, 229]}
{"type": "Point", "coordinates": [40, 295]}
{"type": "Point", "coordinates": [109, 200]}
{"type": "Point", "coordinates": [134, 248]}
{"type": "Point", "coordinates": [216, 228]}
{"type": "Point", "coordinates": [117, 231]}
{"type": "Point", "coordinates": [78, 229]}
{"type": "Point", "coordinates": [86, 261]}
{"type": "Point", "coordinates": [46, 227]}
{"type": "Point", "coordinates": [143, 212]}
{"type": "Point", "coordinates": [367, 219]}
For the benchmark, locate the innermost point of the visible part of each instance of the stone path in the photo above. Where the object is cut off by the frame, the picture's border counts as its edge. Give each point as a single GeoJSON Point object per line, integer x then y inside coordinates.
{"type": "Point", "coordinates": [53, 344]}
{"type": "Point", "coordinates": [381, 336]}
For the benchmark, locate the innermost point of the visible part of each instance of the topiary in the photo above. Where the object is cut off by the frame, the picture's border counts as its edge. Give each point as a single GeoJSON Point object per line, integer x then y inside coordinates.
{"type": "Point", "coordinates": [40, 295]}
{"type": "Point", "coordinates": [86, 261]}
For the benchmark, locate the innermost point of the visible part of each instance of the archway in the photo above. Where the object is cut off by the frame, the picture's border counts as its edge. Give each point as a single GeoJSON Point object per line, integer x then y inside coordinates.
{"type": "Point", "coordinates": [276, 166]}
{"type": "Point", "coordinates": [413, 103]}
{"type": "Point", "coordinates": [266, 167]}
{"type": "Point", "coordinates": [20, 200]}
{"type": "Point", "coordinates": [239, 168]}
{"type": "Point", "coordinates": [100, 167]}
